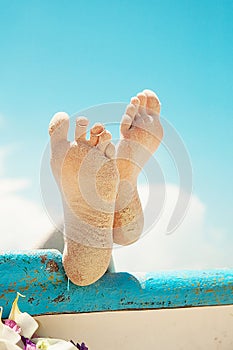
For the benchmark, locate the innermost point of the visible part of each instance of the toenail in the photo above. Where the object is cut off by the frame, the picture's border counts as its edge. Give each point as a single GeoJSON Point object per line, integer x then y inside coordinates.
{"type": "Point", "coordinates": [100, 133]}
{"type": "Point", "coordinates": [97, 129]}
{"type": "Point", "coordinates": [135, 100]}
{"type": "Point", "coordinates": [82, 122]}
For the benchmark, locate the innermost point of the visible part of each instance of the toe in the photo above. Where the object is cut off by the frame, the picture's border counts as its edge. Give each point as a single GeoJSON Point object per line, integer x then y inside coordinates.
{"type": "Point", "coordinates": [142, 104]}
{"type": "Point", "coordinates": [104, 140]}
{"type": "Point", "coordinates": [131, 110]}
{"type": "Point", "coordinates": [128, 117]}
{"type": "Point", "coordinates": [105, 136]}
{"type": "Point", "coordinates": [126, 123]}
{"type": "Point", "coordinates": [142, 99]}
{"type": "Point", "coordinates": [81, 128]}
{"type": "Point", "coordinates": [95, 133]}
{"type": "Point", "coordinates": [58, 127]}
{"type": "Point", "coordinates": [135, 101]}
{"type": "Point", "coordinates": [152, 103]}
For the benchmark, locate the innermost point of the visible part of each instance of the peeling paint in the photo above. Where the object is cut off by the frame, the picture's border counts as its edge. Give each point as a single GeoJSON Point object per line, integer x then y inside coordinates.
{"type": "Point", "coordinates": [52, 266]}
{"type": "Point", "coordinates": [59, 298]}
{"type": "Point", "coordinates": [43, 258]}
{"type": "Point", "coordinates": [33, 280]}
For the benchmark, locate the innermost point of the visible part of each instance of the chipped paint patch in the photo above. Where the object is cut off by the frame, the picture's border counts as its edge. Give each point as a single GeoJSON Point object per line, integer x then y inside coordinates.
{"type": "Point", "coordinates": [43, 258]}
{"type": "Point", "coordinates": [52, 266]}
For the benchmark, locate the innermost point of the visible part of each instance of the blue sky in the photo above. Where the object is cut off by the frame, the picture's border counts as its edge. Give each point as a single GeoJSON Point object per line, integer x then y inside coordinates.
{"type": "Point", "coordinates": [70, 55]}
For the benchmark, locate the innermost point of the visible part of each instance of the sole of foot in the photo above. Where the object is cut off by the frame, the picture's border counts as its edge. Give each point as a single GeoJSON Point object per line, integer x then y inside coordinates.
{"type": "Point", "coordinates": [87, 177]}
{"type": "Point", "coordinates": [141, 135]}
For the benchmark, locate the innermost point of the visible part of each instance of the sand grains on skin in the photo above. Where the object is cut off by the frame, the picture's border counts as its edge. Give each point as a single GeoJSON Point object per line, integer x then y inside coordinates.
{"type": "Point", "coordinates": [87, 177]}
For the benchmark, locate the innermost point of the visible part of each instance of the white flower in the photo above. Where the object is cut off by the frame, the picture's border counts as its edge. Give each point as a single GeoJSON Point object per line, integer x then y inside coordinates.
{"type": "Point", "coordinates": [6, 333]}
{"type": "Point", "coordinates": [26, 322]}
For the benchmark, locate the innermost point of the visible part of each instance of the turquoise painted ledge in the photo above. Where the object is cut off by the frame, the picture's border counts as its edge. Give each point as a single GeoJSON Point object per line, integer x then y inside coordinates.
{"type": "Point", "coordinates": [39, 275]}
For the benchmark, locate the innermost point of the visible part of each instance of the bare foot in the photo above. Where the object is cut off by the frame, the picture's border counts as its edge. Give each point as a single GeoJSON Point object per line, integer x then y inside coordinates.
{"type": "Point", "coordinates": [87, 177]}
{"type": "Point", "coordinates": [141, 134]}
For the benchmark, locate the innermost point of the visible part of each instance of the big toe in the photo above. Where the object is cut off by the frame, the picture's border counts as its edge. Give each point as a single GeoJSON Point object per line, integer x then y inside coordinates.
{"type": "Point", "coordinates": [59, 126]}
{"type": "Point", "coordinates": [152, 103]}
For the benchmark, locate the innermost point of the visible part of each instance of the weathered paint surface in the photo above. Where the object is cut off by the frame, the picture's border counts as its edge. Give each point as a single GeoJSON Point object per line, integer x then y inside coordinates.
{"type": "Point", "coordinates": [39, 275]}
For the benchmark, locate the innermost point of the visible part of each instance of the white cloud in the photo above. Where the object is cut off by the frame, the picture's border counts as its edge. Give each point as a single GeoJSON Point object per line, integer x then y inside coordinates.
{"type": "Point", "coordinates": [192, 245]}
{"type": "Point", "coordinates": [3, 153]}
{"type": "Point", "coordinates": [12, 185]}
{"type": "Point", "coordinates": [23, 221]}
